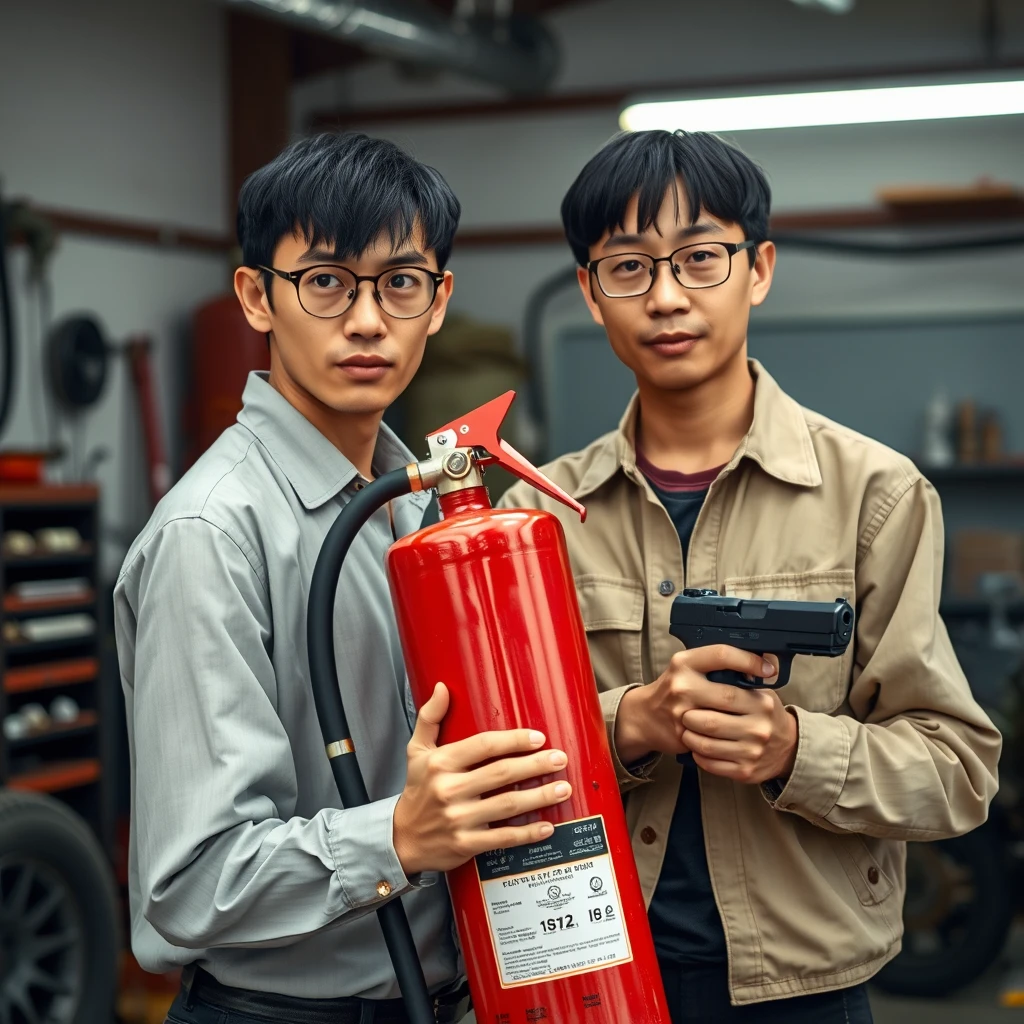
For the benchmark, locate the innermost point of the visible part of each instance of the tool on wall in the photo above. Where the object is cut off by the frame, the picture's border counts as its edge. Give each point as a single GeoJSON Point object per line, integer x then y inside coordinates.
{"type": "Point", "coordinates": [77, 363]}
{"type": "Point", "coordinates": [582, 948]}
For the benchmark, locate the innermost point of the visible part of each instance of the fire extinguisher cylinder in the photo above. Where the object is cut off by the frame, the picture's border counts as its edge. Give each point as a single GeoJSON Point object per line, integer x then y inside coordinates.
{"type": "Point", "coordinates": [557, 930]}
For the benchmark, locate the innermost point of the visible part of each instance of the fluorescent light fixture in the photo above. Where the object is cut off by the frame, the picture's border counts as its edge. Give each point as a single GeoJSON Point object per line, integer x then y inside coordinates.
{"type": "Point", "coordinates": [835, 6]}
{"type": "Point", "coordinates": [845, 106]}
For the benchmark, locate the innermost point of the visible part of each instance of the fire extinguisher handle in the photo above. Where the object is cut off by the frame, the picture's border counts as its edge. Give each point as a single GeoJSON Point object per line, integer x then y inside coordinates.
{"type": "Point", "coordinates": [479, 429]}
{"type": "Point", "coordinates": [330, 710]}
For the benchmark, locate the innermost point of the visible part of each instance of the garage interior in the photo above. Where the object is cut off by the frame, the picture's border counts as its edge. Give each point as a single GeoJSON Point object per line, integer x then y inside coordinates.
{"type": "Point", "coordinates": [126, 130]}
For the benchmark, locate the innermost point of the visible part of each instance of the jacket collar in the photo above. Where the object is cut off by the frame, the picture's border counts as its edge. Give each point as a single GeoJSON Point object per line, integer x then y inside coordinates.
{"type": "Point", "coordinates": [316, 469]}
{"type": "Point", "coordinates": [778, 440]}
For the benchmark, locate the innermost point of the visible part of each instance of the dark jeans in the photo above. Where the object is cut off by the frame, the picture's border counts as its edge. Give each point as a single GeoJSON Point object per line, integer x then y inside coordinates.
{"type": "Point", "coordinates": [700, 995]}
{"type": "Point", "coordinates": [203, 1013]}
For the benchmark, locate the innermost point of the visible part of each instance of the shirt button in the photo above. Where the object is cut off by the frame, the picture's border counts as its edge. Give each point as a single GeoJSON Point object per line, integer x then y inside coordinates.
{"type": "Point", "coordinates": [648, 835]}
{"type": "Point", "coordinates": [666, 587]}
{"type": "Point", "coordinates": [873, 875]}
{"type": "Point", "coordinates": [383, 889]}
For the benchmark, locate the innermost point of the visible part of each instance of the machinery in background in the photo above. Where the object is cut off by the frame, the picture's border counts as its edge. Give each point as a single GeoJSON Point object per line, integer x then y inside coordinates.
{"type": "Point", "coordinates": [224, 351]}
{"type": "Point", "coordinates": [59, 935]}
{"type": "Point", "coordinates": [963, 893]}
{"type": "Point", "coordinates": [77, 362]}
{"type": "Point", "coordinates": [464, 364]}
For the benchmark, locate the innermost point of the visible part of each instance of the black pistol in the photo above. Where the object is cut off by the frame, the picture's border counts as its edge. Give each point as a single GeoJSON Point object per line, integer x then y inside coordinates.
{"type": "Point", "coordinates": [783, 628]}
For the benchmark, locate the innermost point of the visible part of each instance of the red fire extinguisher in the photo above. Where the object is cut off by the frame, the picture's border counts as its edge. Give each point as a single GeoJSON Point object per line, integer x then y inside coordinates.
{"type": "Point", "coordinates": [554, 931]}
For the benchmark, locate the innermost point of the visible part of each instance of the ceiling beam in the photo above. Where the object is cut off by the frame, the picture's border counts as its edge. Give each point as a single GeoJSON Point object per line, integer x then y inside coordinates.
{"type": "Point", "coordinates": [170, 236]}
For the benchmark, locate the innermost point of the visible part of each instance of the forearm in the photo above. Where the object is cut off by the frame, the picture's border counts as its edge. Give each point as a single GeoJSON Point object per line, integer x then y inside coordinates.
{"type": "Point", "coordinates": [917, 777]}
{"type": "Point", "coordinates": [632, 756]}
{"type": "Point", "coordinates": [271, 882]}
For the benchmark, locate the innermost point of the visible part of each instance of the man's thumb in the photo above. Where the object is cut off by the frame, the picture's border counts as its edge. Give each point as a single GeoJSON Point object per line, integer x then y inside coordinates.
{"type": "Point", "coordinates": [428, 722]}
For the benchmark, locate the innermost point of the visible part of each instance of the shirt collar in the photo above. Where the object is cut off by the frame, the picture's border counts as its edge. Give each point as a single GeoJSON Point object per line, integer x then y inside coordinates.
{"type": "Point", "coordinates": [778, 440]}
{"type": "Point", "coordinates": [314, 467]}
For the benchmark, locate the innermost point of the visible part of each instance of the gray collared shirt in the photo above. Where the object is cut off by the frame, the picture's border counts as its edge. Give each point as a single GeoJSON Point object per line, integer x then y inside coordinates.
{"type": "Point", "coordinates": [240, 858]}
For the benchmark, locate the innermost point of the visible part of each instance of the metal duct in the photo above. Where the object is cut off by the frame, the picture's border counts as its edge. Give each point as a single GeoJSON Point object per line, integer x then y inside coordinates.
{"type": "Point", "coordinates": [518, 54]}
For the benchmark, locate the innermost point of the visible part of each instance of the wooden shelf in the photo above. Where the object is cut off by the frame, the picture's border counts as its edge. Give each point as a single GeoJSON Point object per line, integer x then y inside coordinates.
{"type": "Point", "coordinates": [67, 759]}
{"type": "Point", "coordinates": [55, 495]}
{"type": "Point", "coordinates": [51, 674]}
{"type": "Point", "coordinates": [84, 723]}
{"type": "Point", "coordinates": [56, 777]}
{"type": "Point", "coordinates": [20, 606]}
{"type": "Point", "coordinates": [46, 558]}
{"type": "Point", "coordinates": [43, 646]}
{"type": "Point", "coordinates": [979, 472]}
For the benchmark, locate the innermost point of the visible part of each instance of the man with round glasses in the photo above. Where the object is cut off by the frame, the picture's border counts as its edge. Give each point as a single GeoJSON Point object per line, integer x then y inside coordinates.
{"type": "Point", "coordinates": [768, 827]}
{"type": "Point", "coordinates": [243, 868]}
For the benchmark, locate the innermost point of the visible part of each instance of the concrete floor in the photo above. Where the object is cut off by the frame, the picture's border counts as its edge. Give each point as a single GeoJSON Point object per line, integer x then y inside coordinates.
{"type": "Point", "coordinates": [979, 1003]}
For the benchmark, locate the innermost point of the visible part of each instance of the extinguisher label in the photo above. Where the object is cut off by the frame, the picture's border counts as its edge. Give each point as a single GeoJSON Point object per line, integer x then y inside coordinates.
{"type": "Point", "coordinates": [553, 907]}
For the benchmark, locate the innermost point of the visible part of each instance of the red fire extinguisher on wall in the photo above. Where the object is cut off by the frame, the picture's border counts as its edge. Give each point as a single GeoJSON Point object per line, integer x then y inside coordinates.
{"type": "Point", "coordinates": [555, 931]}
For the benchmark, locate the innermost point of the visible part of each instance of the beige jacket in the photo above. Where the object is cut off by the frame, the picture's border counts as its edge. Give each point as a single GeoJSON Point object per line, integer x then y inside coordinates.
{"type": "Point", "coordinates": [892, 746]}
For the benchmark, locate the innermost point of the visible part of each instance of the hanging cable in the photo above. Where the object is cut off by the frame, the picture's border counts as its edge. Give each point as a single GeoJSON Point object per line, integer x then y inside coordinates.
{"type": "Point", "coordinates": [8, 365]}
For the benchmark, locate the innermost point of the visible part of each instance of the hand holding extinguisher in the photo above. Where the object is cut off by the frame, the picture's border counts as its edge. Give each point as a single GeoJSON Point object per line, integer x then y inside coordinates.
{"type": "Point", "coordinates": [548, 905]}
{"type": "Point", "coordinates": [445, 814]}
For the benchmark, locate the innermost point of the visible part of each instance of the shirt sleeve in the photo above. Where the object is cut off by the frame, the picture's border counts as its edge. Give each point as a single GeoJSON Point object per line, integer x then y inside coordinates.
{"type": "Point", "coordinates": [917, 758]}
{"type": "Point", "coordinates": [221, 860]}
{"type": "Point", "coordinates": [636, 773]}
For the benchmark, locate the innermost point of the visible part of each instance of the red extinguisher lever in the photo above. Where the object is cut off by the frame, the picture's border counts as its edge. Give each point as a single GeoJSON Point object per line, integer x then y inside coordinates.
{"type": "Point", "coordinates": [479, 430]}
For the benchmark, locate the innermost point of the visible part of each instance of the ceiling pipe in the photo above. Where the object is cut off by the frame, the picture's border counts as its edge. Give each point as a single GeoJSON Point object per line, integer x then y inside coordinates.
{"type": "Point", "coordinates": [517, 53]}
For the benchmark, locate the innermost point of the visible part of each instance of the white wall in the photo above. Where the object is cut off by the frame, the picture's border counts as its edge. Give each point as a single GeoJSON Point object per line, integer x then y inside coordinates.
{"type": "Point", "coordinates": [116, 107]}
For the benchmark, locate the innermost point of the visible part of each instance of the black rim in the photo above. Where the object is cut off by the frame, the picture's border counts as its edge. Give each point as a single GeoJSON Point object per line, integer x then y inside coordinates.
{"type": "Point", "coordinates": [40, 945]}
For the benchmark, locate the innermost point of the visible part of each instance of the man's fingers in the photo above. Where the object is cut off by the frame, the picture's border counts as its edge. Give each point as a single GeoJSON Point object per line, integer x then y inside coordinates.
{"type": "Point", "coordinates": [733, 751]}
{"type": "Point", "coordinates": [510, 835]}
{"type": "Point", "coordinates": [485, 746]}
{"type": "Point", "coordinates": [720, 656]}
{"type": "Point", "coordinates": [428, 721]}
{"type": "Point", "coordinates": [738, 771]}
{"type": "Point", "coordinates": [723, 726]}
{"type": "Point", "coordinates": [511, 804]}
{"type": "Point", "coordinates": [508, 771]}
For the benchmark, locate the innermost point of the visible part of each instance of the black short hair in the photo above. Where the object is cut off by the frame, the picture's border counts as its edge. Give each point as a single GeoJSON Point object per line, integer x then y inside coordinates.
{"type": "Point", "coordinates": [715, 175]}
{"type": "Point", "coordinates": [343, 190]}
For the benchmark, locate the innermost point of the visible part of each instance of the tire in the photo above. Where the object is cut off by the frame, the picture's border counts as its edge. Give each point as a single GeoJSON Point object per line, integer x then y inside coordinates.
{"type": "Point", "coordinates": [59, 939]}
{"type": "Point", "coordinates": [957, 914]}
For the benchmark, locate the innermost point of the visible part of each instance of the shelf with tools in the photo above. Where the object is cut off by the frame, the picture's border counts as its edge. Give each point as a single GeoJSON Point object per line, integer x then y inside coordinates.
{"type": "Point", "coordinates": [984, 518]}
{"type": "Point", "coordinates": [51, 698]}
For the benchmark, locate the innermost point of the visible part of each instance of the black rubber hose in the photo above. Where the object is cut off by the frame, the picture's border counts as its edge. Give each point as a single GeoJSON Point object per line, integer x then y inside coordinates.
{"type": "Point", "coordinates": [7, 361]}
{"type": "Point", "coordinates": [330, 710]}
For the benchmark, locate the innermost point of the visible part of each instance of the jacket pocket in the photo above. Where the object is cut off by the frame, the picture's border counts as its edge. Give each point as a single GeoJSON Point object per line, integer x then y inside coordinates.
{"type": "Point", "coordinates": [815, 683]}
{"type": "Point", "coordinates": [613, 616]}
{"type": "Point", "coordinates": [869, 881]}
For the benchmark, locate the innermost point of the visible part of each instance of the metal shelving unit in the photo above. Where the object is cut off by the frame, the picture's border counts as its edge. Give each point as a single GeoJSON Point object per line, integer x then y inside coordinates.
{"type": "Point", "coordinates": [65, 759]}
{"type": "Point", "coordinates": [999, 487]}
